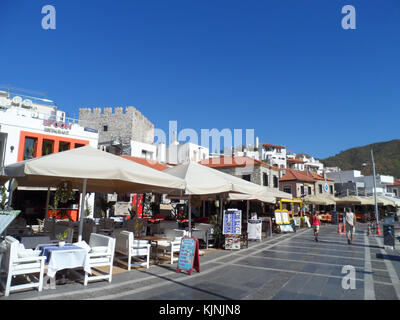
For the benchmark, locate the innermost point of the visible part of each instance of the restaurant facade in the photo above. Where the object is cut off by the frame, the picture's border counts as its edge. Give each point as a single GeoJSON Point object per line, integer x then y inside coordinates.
{"type": "Point", "coordinates": [32, 127]}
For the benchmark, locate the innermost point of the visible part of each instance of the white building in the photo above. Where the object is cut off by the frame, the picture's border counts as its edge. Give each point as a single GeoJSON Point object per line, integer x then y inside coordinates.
{"type": "Point", "coordinates": [143, 150]}
{"type": "Point", "coordinates": [366, 182]}
{"type": "Point", "coordinates": [274, 155]}
{"type": "Point", "coordinates": [31, 127]}
{"type": "Point", "coordinates": [187, 152]}
{"type": "Point", "coordinates": [312, 163]}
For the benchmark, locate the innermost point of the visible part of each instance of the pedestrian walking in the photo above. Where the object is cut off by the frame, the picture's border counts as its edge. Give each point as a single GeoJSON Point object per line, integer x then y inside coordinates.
{"type": "Point", "coordinates": [350, 225]}
{"type": "Point", "coordinates": [316, 222]}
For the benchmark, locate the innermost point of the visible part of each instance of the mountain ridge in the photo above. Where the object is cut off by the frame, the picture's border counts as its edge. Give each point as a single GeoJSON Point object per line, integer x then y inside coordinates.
{"type": "Point", "coordinates": [386, 157]}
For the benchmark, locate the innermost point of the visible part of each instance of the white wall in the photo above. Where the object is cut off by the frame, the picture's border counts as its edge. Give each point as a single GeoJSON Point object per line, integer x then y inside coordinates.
{"type": "Point", "coordinates": [344, 176]}
{"type": "Point", "coordinates": [187, 152]}
{"type": "Point", "coordinates": [137, 149]}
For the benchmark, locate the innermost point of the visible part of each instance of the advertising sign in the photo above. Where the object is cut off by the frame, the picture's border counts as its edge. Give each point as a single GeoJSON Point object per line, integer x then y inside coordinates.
{"type": "Point", "coordinates": [254, 229]}
{"type": "Point", "coordinates": [232, 223]}
{"type": "Point", "coordinates": [189, 255]}
{"type": "Point", "coordinates": [232, 242]}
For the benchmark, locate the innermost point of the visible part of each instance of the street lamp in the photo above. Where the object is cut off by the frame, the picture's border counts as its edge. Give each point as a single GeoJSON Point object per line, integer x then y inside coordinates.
{"type": "Point", "coordinates": [375, 198]}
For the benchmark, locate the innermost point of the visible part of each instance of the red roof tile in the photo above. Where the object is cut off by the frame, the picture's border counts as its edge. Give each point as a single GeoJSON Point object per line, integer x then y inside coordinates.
{"type": "Point", "coordinates": [273, 145]}
{"type": "Point", "coordinates": [232, 162]}
{"type": "Point", "coordinates": [319, 177]}
{"type": "Point", "coordinates": [147, 162]}
{"type": "Point", "coordinates": [294, 160]}
{"type": "Point", "coordinates": [396, 183]}
{"type": "Point", "coordinates": [297, 175]}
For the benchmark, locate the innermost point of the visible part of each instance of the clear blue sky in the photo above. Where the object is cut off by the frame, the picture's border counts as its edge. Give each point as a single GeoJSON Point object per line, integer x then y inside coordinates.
{"type": "Point", "coordinates": [284, 68]}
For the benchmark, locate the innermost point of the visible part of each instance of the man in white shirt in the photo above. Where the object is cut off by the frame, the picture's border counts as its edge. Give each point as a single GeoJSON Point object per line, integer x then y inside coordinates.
{"type": "Point", "coordinates": [350, 225]}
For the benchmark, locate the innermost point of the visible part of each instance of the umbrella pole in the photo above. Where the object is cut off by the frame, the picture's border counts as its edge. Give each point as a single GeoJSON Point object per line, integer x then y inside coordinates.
{"type": "Point", "coordinates": [82, 210]}
{"type": "Point", "coordinates": [46, 214]}
{"type": "Point", "coordinates": [247, 210]}
{"type": "Point", "coordinates": [221, 209]}
{"type": "Point", "coordinates": [190, 219]}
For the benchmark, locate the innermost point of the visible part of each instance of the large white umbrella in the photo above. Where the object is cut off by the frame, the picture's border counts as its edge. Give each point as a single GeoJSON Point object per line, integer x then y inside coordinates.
{"type": "Point", "coordinates": [203, 180]}
{"type": "Point", "coordinates": [91, 170]}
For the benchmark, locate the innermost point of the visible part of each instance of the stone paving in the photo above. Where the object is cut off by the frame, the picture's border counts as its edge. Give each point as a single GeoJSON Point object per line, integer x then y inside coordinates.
{"type": "Point", "coordinates": [287, 266]}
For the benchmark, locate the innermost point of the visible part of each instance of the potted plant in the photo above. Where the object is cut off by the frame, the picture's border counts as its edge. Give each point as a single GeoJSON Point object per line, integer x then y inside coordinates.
{"type": "Point", "coordinates": [64, 193]}
{"type": "Point", "coordinates": [61, 237]}
{"type": "Point", "coordinates": [3, 198]}
{"type": "Point", "coordinates": [217, 231]}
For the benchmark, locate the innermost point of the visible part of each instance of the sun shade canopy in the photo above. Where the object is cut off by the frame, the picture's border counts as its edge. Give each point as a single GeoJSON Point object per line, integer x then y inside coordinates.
{"type": "Point", "coordinates": [104, 172]}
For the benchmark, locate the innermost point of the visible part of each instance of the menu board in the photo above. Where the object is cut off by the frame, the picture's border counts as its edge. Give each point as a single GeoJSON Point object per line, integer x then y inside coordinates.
{"type": "Point", "coordinates": [232, 223]}
{"type": "Point", "coordinates": [189, 255]}
{"type": "Point", "coordinates": [232, 242]}
{"type": "Point", "coordinates": [254, 229]}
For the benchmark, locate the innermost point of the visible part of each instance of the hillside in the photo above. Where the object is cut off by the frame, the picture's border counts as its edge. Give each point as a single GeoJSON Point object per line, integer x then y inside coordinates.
{"type": "Point", "coordinates": [386, 155]}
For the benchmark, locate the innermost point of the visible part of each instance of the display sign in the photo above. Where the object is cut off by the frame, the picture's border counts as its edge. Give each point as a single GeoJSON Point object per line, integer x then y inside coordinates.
{"type": "Point", "coordinates": [189, 255]}
{"type": "Point", "coordinates": [286, 228]}
{"type": "Point", "coordinates": [307, 221]}
{"type": "Point", "coordinates": [232, 223]}
{"type": "Point", "coordinates": [232, 242]}
{"type": "Point", "coordinates": [285, 217]}
{"type": "Point", "coordinates": [278, 217]}
{"type": "Point", "coordinates": [57, 124]}
{"type": "Point", "coordinates": [254, 229]}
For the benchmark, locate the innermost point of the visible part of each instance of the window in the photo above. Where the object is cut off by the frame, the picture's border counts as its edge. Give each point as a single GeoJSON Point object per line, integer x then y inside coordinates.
{"type": "Point", "coordinates": [30, 148]}
{"type": "Point", "coordinates": [64, 146]}
{"type": "Point", "coordinates": [320, 188]}
{"type": "Point", "coordinates": [47, 147]}
{"type": "Point", "coordinates": [302, 190]}
{"type": "Point", "coordinates": [287, 189]}
{"type": "Point", "coordinates": [78, 145]}
{"type": "Point", "coordinates": [105, 128]}
{"type": "Point", "coordinates": [276, 182]}
{"type": "Point", "coordinates": [309, 190]}
{"type": "Point", "coordinates": [265, 179]}
{"type": "Point", "coordinates": [331, 189]}
{"type": "Point", "coordinates": [246, 177]}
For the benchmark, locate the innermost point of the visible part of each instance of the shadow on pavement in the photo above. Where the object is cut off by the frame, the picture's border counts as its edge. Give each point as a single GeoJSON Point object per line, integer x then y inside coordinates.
{"type": "Point", "coordinates": [388, 257]}
{"type": "Point", "coordinates": [187, 286]}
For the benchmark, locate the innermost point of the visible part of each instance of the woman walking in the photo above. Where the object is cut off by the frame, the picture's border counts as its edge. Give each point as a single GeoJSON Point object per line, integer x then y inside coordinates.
{"type": "Point", "coordinates": [316, 222]}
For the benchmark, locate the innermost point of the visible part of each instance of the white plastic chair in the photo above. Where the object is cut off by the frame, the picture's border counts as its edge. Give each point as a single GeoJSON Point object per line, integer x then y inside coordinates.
{"type": "Point", "coordinates": [134, 249]}
{"type": "Point", "coordinates": [173, 245]}
{"type": "Point", "coordinates": [19, 261]}
{"type": "Point", "coordinates": [100, 255]}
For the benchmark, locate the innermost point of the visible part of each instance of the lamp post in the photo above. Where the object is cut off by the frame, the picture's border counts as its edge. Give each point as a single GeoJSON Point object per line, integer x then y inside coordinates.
{"type": "Point", "coordinates": [375, 197]}
{"type": "Point", "coordinates": [376, 202]}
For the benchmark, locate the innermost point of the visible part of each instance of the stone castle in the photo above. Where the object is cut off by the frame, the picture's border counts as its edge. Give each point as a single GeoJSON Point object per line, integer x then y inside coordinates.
{"type": "Point", "coordinates": [118, 125]}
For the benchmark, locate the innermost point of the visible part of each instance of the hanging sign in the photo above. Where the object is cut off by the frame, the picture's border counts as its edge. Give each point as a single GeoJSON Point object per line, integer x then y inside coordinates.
{"type": "Point", "coordinates": [189, 258]}
{"type": "Point", "coordinates": [254, 229]}
{"type": "Point", "coordinates": [232, 223]}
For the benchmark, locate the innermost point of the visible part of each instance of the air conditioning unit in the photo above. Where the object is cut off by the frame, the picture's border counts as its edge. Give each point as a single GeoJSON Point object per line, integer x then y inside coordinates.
{"type": "Point", "coordinates": [17, 100]}
{"type": "Point", "coordinates": [27, 103]}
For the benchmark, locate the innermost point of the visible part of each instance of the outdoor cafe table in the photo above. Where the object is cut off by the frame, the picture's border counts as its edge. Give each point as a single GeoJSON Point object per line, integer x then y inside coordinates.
{"type": "Point", "coordinates": [154, 240]}
{"type": "Point", "coordinates": [67, 257]}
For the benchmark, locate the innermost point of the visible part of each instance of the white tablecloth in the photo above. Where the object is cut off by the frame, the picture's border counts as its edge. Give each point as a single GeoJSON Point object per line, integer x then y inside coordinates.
{"type": "Point", "coordinates": [68, 257]}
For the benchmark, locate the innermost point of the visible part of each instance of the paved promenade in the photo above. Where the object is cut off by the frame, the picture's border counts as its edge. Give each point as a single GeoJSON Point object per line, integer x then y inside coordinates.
{"type": "Point", "coordinates": [286, 266]}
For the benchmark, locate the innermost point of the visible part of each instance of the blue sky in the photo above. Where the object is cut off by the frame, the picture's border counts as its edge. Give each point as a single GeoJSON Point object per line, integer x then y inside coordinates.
{"type": "Point", "coordinates": [286, 69]}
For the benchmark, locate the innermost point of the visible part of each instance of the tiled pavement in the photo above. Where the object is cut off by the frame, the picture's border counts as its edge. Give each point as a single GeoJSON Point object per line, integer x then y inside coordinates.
{"type": "Point", "coordinates": [286, 266]}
